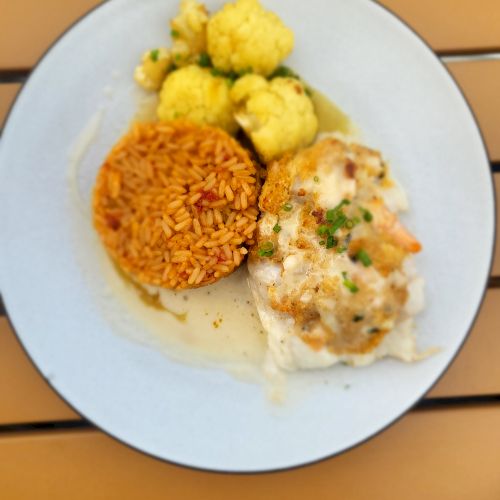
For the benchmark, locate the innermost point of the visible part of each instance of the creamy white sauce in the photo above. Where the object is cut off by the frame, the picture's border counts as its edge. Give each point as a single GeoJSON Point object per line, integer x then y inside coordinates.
{"type": "Point", "coordinates": [215, 325]}
{"type": "Point", "coordinates": [221, 326]}
{"type": "Point", "coordinates": [332, 186]}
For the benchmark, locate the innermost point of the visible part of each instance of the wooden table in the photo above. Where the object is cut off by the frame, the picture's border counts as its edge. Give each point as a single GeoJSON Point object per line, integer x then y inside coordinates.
{"type": "Point", "coordinates": [448, 447]}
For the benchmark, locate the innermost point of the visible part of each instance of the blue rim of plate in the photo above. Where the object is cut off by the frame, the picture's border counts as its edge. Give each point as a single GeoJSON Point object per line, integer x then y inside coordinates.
{"type": "Point", "coordinates": [403, 412]}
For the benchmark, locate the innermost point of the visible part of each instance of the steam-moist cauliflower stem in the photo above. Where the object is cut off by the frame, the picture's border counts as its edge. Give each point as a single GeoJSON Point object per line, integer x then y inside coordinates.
{"type": "Point", "coordinates": [277, 115]}
{"type": "Point", "coordinates": [332, 273]}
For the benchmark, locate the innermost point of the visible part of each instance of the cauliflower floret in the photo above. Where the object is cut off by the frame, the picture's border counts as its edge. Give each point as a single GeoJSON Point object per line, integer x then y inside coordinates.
{"type": "Point", "coordinates": [189, 32]}
{"type": "Point", "coordinates": [151, 73]}
{"type": "Point", "coordinates": [244, 36]}
{"type": "Point", "coordinates": [194, 93]}
{"type": "Point", "coordinates": [278, 116]}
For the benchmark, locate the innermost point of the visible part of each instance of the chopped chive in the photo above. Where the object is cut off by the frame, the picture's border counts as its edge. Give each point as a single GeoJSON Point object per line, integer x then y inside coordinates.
{"type": "Point", "coordinates": [322, 242]}
{"type": "Point", "coordinates": [266, 249]}
{"type": "Point", "coordinates": [338, 223]}
{"type": "Point", "coordinates": [349, 224]}
{"type": "Point", "coordinates": [341, 204]}
{"type": "Point", "coordinates": [277, 228]}
{"type": "Point", "coordinates": [333, 213]}
{"type": "Point", "coordinates": [287, 207]}
{"type": "Point", "coordinates": [204, 60]}
{"type": "Point", "coordinates": [367, 215]}
{"type": "Point", "coordinates": [154, 54]}
{"type": "Point", "coordinates": [356, 220]}
{"type": "Point", "coordinates": [341, 249]}
{"type": "Point", "coordinates": [364, 258]}
{"type": "Point", "coordinates": [174, 34]}
{"type": "Point", "coordinates": [322, 230]}
{"type": "Point", "coordinates": [350, 285]}
{"type": "Point", "coordinates": [331, 242]}
{"type": "Point", "coordinates": [358, 317]}
{"type": "Point", "coordinates": [316, 178]}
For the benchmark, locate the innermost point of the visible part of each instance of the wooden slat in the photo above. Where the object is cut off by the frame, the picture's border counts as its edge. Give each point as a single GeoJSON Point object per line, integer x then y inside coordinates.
{"type": "Point", "coordinates": [476, 371]}
{"type": "Point", "coordinates": [24, 395]}
{"type": "Point", "coordinates": [8, 92]}
{"type": "Point", "coordinates": [28, 27]}
{"type": "Point", "coordinates": [496, 262]}
{"type": "Point", "coordinates": [480, 81]}
{"type": "Point", "coordinates": [452, 25]}
{"type": "Point", "coordinates": [436, 455]}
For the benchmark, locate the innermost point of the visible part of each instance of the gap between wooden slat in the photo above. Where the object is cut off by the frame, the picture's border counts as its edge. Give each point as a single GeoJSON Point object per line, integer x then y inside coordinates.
{"type": "Point", "coordinates": [436, 455]}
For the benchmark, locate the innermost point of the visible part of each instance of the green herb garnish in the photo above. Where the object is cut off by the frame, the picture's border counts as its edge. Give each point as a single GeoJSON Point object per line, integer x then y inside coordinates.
{"type": "Point", "coordinates": [266, 249]}
{"type": "Point", "coordinates": [287, 207]}
{"type": "Point", "coordinates": [322, 230]}
{"type": "Point", "coordinates": [316, 178]}
{"type": "Point", "coordinates": [349, 224]}
{"type": "Point", "coordinates": [204, 60]}
{"type": "Point", "coordinates": [367, 215]}
{"type": "Point", "coordinates": [358, 317]}
{"type": "Point", "coordinates": [350, 285]}
{"type": "Point", "coordinates": [364, 258]}
{"type": "Point", "coordinates": [154, 55]}
{"type": "Point", "coordinates": [338, 223]}
{"type": "Point", "coordinates": [277, 228]}
{"type": "Point", "coordinates": [341, 204]}
{"type": "Point", "coordinates": [341, 249]}
{"type": "Point", "coordinates": [331, 241]}
{"type": "Point", "coordinates": [284, 72]}
{"type": "Point", "coordinates": [322, 242]}
{"type": "Point", "coordinates": [333, 213]}
{"type": "Point", "coordinates": [374, 330]}
{"type": "Point", "coordinates": [174, 34]}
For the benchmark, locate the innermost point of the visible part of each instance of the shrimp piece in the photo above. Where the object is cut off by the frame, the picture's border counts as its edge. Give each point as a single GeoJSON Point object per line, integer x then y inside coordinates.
{"type": "Point", "coordinates": [387, 222]}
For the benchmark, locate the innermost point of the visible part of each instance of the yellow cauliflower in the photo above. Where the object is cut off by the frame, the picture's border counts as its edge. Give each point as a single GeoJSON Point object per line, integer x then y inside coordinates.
{"type": "Point", "coordinates": [153, 69]}
{"type": "Point", "coordinates": [194, 93]}
{"type": "Point", "coordinates": [189, 32]}
{"type": "Point", "coordinates": [278, 116]}
{"type": "Point", "coordinates": [244, 36]}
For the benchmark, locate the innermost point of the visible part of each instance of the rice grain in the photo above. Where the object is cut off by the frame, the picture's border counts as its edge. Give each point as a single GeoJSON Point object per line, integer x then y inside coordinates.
{"type": "Point", "coordinates": [176, 204]}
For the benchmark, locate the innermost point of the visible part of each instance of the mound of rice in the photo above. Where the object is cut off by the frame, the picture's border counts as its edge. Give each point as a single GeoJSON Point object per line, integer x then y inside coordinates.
{"type": "Point", "coordinates": [175, 204]}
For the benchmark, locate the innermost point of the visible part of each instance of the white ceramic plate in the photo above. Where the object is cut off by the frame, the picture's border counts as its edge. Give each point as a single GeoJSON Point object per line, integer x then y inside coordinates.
{"type": "Point", "coordinates": [405, 103]}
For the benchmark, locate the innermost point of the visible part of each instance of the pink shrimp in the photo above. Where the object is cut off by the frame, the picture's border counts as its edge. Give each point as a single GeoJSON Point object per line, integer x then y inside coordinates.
{"type": "Point", "coordinates": [387, 222]}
